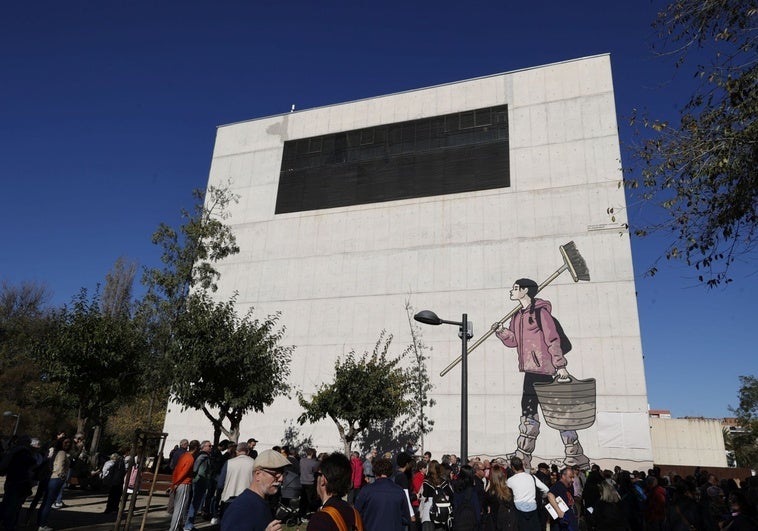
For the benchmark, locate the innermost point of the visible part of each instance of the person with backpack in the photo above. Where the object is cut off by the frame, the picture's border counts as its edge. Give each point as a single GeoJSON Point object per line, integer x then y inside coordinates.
{"type": "Point", "coordinates": [499, 509]}
{"type": "Point", "coordinates": [435, 497]}
{"type": "Point", "coordinates": [467, 510]}
{"type": "Point", "coordinates": [333, 481]}
{"type": "Point", "coordinates": [541, 346]}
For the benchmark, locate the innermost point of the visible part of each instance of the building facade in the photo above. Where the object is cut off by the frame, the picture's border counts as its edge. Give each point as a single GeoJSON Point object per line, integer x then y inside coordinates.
{"type": "Point", "coordinates": [440, 198]}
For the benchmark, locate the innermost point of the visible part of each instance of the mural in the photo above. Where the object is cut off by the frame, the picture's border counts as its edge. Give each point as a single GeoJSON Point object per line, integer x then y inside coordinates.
{"type": "Point", "coordinates": [568, 404]}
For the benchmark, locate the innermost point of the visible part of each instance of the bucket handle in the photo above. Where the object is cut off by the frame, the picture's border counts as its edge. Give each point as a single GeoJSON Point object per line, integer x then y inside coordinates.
{"type": "Point", "coordinates": [570, 379]}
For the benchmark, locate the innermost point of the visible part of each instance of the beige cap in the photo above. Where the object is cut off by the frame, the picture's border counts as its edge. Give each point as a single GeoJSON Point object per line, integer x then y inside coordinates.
{"type": "Point", "coordinates": [271, 459]}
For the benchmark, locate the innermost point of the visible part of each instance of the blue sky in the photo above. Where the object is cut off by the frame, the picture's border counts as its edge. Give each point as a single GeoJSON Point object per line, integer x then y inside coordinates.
{"type": "Point", "coordinates": [108, 113]}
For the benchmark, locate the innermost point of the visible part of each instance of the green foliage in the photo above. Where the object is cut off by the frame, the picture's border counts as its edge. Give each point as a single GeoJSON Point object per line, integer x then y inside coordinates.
{"type": "Point", "coordinates": [227, 363]}
{"type": "Point", "coordinates": [420, 385]}
{"type": "Point", "coordinates": [24, 318]}
{"type": "Point", "coordinates": [702, 171]}
{"type": "Point", "coordinates": [188, 256]}
{"type": "Point", "coordinates": [366, 389]}
{"type": "Point", "coordinates": [92, 357]}
{"type": "Point", "coordinates": [745, 442]}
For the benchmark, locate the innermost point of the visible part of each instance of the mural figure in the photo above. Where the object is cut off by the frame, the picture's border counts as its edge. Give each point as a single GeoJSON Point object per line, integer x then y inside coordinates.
{"type": "Point", "coordinates": [538, 339]}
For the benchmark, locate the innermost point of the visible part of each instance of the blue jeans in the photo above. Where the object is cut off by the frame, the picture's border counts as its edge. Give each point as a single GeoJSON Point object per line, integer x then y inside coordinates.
{"type": "Point", "coordinates": [54, 487]}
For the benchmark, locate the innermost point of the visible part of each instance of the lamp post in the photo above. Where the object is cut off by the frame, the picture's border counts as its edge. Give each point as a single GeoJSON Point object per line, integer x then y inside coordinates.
{"type": "Point", "coordinates": [430, 318]}
{"type": "Point", "coordinates": [17, 416]}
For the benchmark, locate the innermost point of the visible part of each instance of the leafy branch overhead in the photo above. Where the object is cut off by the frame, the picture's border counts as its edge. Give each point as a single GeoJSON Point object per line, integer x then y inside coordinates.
{"type": "Point", "coordinates": [702, 170]}
{"type": "Point", "coordinates": [366, 388]}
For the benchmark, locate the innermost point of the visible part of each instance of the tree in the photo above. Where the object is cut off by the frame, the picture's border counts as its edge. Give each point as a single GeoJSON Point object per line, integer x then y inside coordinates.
{"type": "Point", "coordinates": [745, 440]}
{"type": "Point", "coordinates": [365, 390]}
{"type": "Point", "coordinates": [117, 293]}
{"type": "Point", "coordinates": [420, 384]}
{"type": "Point", "coordinates": [227, 363]}
{"type": "Point", "coordinates": [92, 357]}
{"type": "Point", "coordinates": [23, 318]}
{"type": "Point", "coordinates": [188, 255]}
{"type": "Point", "coordinates": [702, 171]}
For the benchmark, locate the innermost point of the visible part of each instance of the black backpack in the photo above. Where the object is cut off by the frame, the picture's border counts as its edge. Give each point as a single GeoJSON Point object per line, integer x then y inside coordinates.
{"type": "Point", "coordinates": [565, 342]}
{"type": "Point", "coordinates": [440, 511]}
{"type": "Point", "coordinates": [505, 519]}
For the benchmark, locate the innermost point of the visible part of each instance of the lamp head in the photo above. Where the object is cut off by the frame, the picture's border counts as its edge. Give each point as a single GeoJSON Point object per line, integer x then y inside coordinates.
{"type": "Point", "coordinates": [427, 317]}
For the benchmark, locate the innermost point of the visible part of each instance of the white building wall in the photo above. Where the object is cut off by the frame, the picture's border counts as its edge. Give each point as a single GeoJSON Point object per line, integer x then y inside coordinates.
{"type": "Point", "coordinates": [688, 442]}
{"type": "Point", "coordinates": [340, 276]}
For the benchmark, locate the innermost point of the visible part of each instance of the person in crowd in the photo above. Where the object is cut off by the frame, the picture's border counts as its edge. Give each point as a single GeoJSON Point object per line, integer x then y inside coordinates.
{"type": "Point", "coordinates": [567, 518]}
{"type": "Point", "coordinates": [417, 480]}
{"type": "Point", "coordinates": [309, 500]}
{"type": "Point", "coordinates": [435, 499]}
{"type": "Point", "coordinates": [201, 476]}
{"type": "Point", "coordinates": [368, 469]}
{"type": "Point", "coordinates": [684, 513]}
{"type": "Point", "coordinates": [499, 510]}
{"type": "Point", "coordinates": [655, 505]}
{"type": "Point", "coordinates": [382, 504]}
{"type": "Point", "coordinates": [41, 476]}
{"type": "Point", "coordinates": [237, 474]}
{"type": "Point", "coordinates": [525, 487]}
{"type": "Point", "coordinates": [334, 479]}
{"type": "Point", "coordinates": [427, 456]}
{"type": "Point", "coordinates": [403, 477]}
{"type": "Point", "coordinates": [467, 509]}
{"type": "Point", "coordinates": [607, 512]}
{"type": "Point", "coordinates": [743, 514]}
{"type": "Point", "coordinates": [220, 454]}
{"type": "Point", "coordinates": [532, 332]}
{"type": "Point", "coordinates": [356, 476]}
{"type": "Point", "coordinates": [249, 511]}
{"type": "Point", "coordinates": [17, 465]}
{"type": "Point", "coordinates": [291, 488]}
{"type": "Point", "coordinates": [174, 456]}
{"type": "Point", "coordinates": [251, 442]}
{"type": "Point", "coordinates": [61, 463]}
{"type": "Point", "coordinates": [112, 476]}
{"type": "Point", "coordinates": [181, 484]}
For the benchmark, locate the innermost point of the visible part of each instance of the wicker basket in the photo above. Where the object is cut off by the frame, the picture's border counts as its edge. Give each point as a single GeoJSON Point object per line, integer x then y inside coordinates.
{"type": "Point", "coordinates": [567, 405]}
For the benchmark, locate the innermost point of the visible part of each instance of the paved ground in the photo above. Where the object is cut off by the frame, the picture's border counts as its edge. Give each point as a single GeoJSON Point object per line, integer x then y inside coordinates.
{"type": "Point", "coordinates": [84, 511]}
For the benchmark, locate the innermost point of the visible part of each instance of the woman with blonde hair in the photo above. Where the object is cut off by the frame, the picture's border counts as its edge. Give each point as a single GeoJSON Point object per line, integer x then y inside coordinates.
{"type": "Point", "coordinates": [499, 511]}
{"type": "Point", "coordinates": [608, 513]}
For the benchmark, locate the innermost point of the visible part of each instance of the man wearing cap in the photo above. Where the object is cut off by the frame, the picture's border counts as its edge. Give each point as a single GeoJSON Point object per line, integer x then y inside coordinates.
{"type": "Point", "coordinates": [333, 480]}
{"type": "Point", "coordinates": [250, 511]}
{"type": "Point", "coordinates": [252, 452]}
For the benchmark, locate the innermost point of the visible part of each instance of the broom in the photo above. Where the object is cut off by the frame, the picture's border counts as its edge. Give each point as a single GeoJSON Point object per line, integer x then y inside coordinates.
{"type": "Point", "coordinates": [572, 262]}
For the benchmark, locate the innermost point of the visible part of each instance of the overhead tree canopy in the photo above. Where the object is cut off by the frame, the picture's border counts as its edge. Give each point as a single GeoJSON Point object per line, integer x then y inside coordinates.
{"type": "Point", "coordinates": [703, 169]}
{"type": "Point", "coordinates": [366, 389]}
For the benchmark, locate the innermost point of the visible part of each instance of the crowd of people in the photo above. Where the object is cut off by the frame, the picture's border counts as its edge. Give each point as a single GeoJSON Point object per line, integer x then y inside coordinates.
{"type": "Point", "coordinates": [403, 492]}
{"type": "Point", "coordinates": [233, 486]}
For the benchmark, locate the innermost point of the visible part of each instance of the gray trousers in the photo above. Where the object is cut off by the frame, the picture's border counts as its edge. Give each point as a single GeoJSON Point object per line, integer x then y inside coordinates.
{"type": "Point", "coordinates": [182, 499]}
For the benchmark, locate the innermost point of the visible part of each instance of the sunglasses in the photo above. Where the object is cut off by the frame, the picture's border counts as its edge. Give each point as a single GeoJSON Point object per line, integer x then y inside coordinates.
{"type": "Point", "coordinates": [273, 473]}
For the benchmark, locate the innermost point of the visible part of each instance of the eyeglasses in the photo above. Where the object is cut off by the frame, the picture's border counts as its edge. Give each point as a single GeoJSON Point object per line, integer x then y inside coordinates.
{"type": "Point", "coordinates": [273, 473]}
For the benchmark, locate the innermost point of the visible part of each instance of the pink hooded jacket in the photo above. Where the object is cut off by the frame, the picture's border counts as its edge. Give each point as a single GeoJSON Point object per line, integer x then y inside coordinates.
{"type": "Point", "coordinates": [539, 351]}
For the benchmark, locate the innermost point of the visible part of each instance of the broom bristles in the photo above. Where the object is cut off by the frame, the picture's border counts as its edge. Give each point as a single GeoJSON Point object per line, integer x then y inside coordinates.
{"type": "Point", "coordinates": [574, 262]}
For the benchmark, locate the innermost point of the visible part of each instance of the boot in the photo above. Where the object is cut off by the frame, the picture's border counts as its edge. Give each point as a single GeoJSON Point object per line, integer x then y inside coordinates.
{"type": "Point", "coordinates": [529, 428]}
{"type": "Point", "coordinates": [574, 451]}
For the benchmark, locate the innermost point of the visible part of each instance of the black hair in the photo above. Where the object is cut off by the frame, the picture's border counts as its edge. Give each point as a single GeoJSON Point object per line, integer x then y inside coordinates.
{"type": "Point", "coordinates": [382, 467]}
{"type": "Point", "coordinates": [531, 288]}
{"type": "Point", "coordinates": [465, 479]}
{"type": "Point", "coordinates": [338, 473]}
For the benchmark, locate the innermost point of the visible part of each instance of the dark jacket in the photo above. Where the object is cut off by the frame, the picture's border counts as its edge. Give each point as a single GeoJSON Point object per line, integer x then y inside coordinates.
{"type": "Point", "coordinates": [383, 506]}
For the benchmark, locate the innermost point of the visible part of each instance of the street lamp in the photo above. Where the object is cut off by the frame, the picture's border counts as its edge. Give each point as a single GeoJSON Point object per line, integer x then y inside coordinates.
{"type": "Point", "coordinates": [465, 333]}
{"type": "Point", "coordinates": [18, 417]}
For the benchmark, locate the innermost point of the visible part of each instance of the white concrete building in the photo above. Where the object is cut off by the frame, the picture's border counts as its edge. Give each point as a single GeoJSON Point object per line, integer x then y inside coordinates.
{"type": "Point", "coordinates": [441, 196]}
